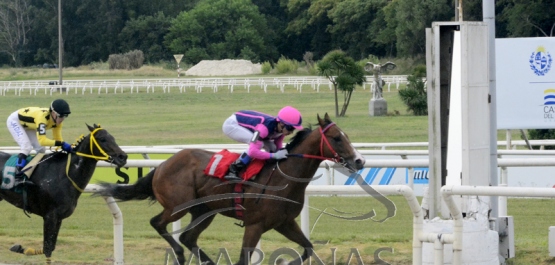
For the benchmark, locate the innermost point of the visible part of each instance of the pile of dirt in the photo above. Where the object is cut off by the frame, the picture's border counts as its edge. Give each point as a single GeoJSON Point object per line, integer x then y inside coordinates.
{"type": "Point", "coordinates": [225, 67]}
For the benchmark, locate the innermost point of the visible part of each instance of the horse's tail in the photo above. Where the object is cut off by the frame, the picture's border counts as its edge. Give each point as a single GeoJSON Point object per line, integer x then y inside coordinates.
{"type": "Point", "coordinates": [142, 189]}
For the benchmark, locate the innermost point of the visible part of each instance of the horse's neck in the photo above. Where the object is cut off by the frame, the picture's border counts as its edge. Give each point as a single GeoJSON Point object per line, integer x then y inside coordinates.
{"type": "Point", "coordinates": [305, 167]}
{"type": "Point", "coordinates": [303, 170]}
{"type": "Point", "coordinates": [81, 168]}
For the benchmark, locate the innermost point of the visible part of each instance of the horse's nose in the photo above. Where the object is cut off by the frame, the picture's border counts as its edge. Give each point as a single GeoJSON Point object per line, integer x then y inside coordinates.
{"type": "Point", "coordinates": [122, 158]}
{"type": "Point", "coordinates": [359, 163]}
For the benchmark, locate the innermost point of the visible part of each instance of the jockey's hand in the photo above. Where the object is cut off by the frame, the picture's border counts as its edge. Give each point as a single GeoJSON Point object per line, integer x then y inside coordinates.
{"type": "Point", "coordinates": [281, 154]}
{"type": "Point", "coordinates": [66, 147]}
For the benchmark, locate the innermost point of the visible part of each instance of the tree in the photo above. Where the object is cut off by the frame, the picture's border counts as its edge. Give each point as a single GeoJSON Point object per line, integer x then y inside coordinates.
{"type": "Point", "coordinates": [414, 95]}
{"type": "Point", "coordinates": [146, 33]}
{"type": "Point", "coordinates": [308, 26]}
{"type": "Point", "coordinates": [413, 18]}
{"type": "Point", "coordinates": [15, 24]}
{"type": "Point", "coordinates": [528, 18]}
{"type": "Point", "coordinates": [353, 24]}
{"type": "Point", "coordinates": [385, 33]}
{"type": "Point", "coordinates": [542, 134]}
{"type": "Point", "coordinates": [221, 29]}
{"type": "Point", "coordinates": [344, 74]}
{"type": "Point", "coordinates": [91, 30]}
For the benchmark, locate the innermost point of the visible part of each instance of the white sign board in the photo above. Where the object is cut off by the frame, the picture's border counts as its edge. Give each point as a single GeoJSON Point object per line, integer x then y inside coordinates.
{"type": "Point", "coordinates": [178, 57]}
{"type": "Point", "coordinates": [525, 83]}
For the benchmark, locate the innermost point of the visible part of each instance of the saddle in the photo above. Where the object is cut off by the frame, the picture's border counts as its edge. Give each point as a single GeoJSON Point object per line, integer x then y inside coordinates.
{"type": "Point", "coordinates": [218, 165]}
{"type": "Point", "coordinates": [8, 172]}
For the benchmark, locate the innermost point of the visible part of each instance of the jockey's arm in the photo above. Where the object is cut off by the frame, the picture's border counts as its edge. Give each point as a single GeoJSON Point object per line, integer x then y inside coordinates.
{"type": "Point", "coordinates": [255, 151]}
{"type": "Point", "coordinates": [45, 141]}
{"type": "Point", "coordinates": [279, 142]}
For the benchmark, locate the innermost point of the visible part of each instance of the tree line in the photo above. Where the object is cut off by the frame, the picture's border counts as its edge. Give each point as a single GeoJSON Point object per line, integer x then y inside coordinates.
{"type": "Point", "coordinates": [257, 30]}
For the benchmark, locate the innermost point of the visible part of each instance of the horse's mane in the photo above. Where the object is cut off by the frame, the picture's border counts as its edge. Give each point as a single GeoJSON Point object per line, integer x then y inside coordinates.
{"type": "Point", "coordinates": [298, 138]}
{"type": "Point", "coordinates": [79, 141]}
{"type": "Point", "coordinates": [63, 155]}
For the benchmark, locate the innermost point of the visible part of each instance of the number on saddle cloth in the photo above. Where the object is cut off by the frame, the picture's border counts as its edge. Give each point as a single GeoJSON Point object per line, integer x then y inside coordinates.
{"type": "Point", "coordinates": [8, 172]}
{"type": "Point", "coordinates": [219, 165]}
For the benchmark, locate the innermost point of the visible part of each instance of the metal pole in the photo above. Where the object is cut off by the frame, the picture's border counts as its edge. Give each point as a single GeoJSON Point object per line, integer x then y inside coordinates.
{"type": "Point", "coordinates": [488, 7]}
{"type": "Point", "coordinates": [460, 10]}
{"type": "Point", "coordinates": [60, 42]}
{"type": "Point", "coordinates": [456, 10]}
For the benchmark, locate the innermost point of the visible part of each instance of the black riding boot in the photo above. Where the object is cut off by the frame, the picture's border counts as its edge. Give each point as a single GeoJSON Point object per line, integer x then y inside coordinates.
{"type": "Point", "coordinates": [234, 170]}
{"type": "Point", "coordinates": [21, 162]}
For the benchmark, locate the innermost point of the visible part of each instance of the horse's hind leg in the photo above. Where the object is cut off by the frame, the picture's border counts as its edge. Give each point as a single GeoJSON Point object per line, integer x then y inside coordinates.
{"type": "Point", "coordinates": [190, 237]}
{"type": "Point", "coordinates": [160, 222]}
{"type": "Point", "coordinates": [292, 231]}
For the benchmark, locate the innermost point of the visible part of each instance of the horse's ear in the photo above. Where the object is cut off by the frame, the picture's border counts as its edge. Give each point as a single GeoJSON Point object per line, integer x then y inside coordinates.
{"type": "Point", "coordinates": [90, 128]}
{"type": "Point", "coordinates": [96, 126]}
{"type": "Point", "coordinates": [324, 122]}
{"type": "Point", "coordinates": [327, 118]}
{"type": "Point", "coordinates": [320, 121]}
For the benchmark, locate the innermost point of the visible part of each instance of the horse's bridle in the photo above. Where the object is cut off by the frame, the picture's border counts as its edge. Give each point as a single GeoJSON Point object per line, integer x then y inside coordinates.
{"type": "Point", "coordinates": [336, 157]}
{"type": "Point", "coordinates": [93, 143]}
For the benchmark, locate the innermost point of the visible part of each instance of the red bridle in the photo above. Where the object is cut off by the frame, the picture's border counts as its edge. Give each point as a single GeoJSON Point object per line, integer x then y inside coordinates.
{"type": "Point", "coordinates": [336, 158]}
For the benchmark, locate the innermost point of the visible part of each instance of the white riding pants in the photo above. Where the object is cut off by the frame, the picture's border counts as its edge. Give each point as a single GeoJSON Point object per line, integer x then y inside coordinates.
{"type": "Point", "coordinates": [26, 139]}
{"type": "Point", "coordinates": [233, 130]}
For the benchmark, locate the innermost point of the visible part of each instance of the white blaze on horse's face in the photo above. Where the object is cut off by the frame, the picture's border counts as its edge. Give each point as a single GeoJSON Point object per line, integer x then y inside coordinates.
{"type": "Point", "coordinates": [358, 156]}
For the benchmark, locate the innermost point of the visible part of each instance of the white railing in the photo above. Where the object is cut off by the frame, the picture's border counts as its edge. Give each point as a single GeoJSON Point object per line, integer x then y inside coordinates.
{"type": "Point", "coordinates": [447, 193]}
{"type": "Point", "coordinates": [181, 84]}
{"type": "Point", "coordinates": [416, 148]}
{"type": "Point", "coordinates": [320, 189]}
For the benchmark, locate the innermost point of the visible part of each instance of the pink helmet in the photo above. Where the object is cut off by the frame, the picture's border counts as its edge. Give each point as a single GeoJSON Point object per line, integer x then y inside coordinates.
{"type": "Point", "coordinates": [290, 116]}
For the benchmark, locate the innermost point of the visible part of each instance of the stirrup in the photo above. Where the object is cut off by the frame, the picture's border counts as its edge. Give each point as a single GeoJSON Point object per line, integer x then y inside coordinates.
{"type": "Point", "coordinates": [232, 176]}
{"type": "Point", "coordinates": [19, 181]}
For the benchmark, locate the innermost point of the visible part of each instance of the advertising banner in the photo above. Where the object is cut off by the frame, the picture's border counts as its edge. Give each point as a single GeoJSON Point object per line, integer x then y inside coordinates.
{"type": "Point", "coordinates": [525, 83]}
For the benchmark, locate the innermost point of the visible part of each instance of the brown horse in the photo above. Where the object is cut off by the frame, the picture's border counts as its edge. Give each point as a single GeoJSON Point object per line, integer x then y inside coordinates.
{"type": "Point", "coordinates": [272, 201]}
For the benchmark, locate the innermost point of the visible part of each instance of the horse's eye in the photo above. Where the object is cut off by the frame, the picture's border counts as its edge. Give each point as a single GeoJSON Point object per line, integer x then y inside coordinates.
{"type": "Point", "coordinates": [337, 138]}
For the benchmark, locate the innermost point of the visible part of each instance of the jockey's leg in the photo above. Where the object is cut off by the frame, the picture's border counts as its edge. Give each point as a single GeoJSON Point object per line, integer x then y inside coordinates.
{"type": "Point", "coordinates": [19, 178]}
{"type": "Point", "coordinates": [237, 166]}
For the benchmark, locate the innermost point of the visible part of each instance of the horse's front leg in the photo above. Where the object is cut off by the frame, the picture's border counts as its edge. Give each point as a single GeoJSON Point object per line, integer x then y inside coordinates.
{"type": "Point", "coordinates": [250, 240]}
{"type": "Point", "coordinates": [51, 228]}
{"type": "Point", "coordinates": [292, 231]}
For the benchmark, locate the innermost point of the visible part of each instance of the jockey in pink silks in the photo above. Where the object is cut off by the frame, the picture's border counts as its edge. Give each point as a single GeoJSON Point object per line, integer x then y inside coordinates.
{"type": "Point", "coordinates": [263, 133]}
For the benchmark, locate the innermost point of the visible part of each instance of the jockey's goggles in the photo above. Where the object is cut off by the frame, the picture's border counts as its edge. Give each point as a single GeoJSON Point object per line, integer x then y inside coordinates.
{"type": "Point", "coordinates": [61, 115]}
{"type": "Point", "coordinates": [288, 127]}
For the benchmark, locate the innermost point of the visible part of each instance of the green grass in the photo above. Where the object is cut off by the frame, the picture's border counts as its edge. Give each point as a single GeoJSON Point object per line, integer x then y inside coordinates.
{"type": "Point", "coordinates": [87, 238]}
{"type": "Point", "coordinates": [184, 118]}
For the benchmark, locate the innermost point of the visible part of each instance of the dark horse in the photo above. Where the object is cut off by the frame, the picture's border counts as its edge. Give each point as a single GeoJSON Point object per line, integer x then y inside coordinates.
{"type": "Point", "coordinates": [58, 181]}
{"type": "Point", "coordinates": [271, 201]}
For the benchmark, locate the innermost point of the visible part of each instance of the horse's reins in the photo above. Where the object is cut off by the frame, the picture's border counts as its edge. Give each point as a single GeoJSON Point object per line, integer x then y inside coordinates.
{"type": "Point", "coordinates": [93, 143]}
{"type": "Point", "coordinates": [336, 158]}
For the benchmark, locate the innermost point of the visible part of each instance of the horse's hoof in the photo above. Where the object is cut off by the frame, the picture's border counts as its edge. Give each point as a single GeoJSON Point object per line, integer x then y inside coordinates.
{"type": "Point", "coordinates": [17, 249]}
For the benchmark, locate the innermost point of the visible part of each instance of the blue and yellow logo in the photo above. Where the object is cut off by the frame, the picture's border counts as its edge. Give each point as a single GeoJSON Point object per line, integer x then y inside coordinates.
{"type": "Point", "coordinates": [549, 96]}
{"type": "Point", "coordinates": [549, 104]}
{"type": "Point", "coordinates": [540, 61]}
